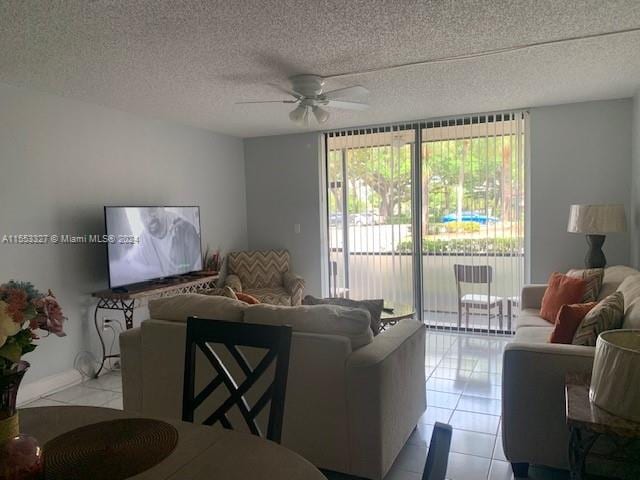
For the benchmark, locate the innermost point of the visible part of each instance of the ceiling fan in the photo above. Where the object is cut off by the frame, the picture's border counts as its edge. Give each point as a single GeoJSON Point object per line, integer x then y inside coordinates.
{"type": "Point", "coordinates": [308, 95]}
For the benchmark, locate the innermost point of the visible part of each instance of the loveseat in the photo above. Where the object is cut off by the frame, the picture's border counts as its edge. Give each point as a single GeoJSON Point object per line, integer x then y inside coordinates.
{"type": "Point", "coordinates": [265, 275]}
{"type": "Point", "coordinates": [534, 429]}
{"type": "Point", "coordinates": [352, 399]}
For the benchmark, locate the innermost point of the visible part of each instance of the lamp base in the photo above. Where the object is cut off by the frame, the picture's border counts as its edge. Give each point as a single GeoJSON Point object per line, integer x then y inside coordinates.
{"type": "Point", "coordinates": [595, 256]}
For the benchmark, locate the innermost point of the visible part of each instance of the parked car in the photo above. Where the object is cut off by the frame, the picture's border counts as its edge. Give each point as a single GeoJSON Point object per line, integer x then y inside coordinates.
{"type": "Point", "coordinates": [469, 217]}
{"type": "Point", "coordinates": [365, 219]}
{"type": "Point", "coordinates": [335, 219]}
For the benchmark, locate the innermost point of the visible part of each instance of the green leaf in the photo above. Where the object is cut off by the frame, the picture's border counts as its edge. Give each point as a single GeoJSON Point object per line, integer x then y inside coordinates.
{"type": "Point", "coordinates": [11, 351]}
{"type": "Point", "coordinates": [30, 312]}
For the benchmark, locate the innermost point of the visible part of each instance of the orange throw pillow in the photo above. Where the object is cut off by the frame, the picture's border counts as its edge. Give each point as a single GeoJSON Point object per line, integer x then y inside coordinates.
{"type": "Point", "coordinates": [562, 290]}
{"type": "Point", "coordinates": [568, 320]}
{"type": "Point", "coordinates": [250, 299]}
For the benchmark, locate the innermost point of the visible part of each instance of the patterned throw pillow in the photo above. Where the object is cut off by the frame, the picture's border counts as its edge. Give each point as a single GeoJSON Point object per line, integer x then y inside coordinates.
{"type": "Point", "coordinates": [606, 315]}
{"type": "Point", "coordinates": [593, 277]}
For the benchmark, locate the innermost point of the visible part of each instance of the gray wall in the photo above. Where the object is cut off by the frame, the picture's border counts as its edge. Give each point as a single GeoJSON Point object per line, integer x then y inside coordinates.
{"type": "Point", "coordinates": [283, 189]}
{"type": "Point", "coordinates": [634, 223]}
{"type": "Point", "coordinates": [580, 153]}
{"type": "Point", "coordinates": [62, 160]}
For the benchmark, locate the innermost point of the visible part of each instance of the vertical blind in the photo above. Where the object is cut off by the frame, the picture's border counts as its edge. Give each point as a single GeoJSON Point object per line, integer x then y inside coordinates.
{"type": "Point", "coordinates": [472, 208]}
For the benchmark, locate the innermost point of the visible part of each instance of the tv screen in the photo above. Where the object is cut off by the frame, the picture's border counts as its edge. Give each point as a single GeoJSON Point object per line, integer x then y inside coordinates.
{"type": "Point", "coordinates": [147, 243]}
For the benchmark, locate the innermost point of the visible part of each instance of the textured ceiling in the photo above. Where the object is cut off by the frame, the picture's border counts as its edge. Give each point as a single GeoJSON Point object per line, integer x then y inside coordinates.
{"type": "Point", "coordinates": [189, 61]}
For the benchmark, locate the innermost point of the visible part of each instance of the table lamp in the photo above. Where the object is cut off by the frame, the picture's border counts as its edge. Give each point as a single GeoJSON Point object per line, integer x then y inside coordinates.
{"type": "Point", "coordinates": [595, 221]}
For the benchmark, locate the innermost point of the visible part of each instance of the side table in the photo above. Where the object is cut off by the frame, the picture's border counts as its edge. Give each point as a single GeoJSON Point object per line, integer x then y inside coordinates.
{"type": "Point", "coordinates": [126, 301]}
{"type": "Point", "coordinates": [393, 313]}
{"type": "Point", "coordinates": [587, 423]}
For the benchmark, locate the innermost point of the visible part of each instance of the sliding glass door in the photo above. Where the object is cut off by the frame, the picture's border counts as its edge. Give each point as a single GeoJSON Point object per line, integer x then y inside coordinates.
{"type": "Point", "coordinates": [370, 214]}
{"type": "Point", "coordinates": [439, 227]}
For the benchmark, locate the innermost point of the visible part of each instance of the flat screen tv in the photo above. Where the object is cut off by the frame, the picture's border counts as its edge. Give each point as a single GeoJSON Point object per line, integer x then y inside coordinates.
{"type": "Point", "coordinates": [149, 243]}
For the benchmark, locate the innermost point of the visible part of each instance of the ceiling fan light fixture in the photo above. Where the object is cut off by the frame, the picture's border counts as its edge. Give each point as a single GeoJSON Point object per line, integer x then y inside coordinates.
{"type": "Point", "coordinates": [300, 115]}
{"type": "Point", "coordinates": [321, 114]}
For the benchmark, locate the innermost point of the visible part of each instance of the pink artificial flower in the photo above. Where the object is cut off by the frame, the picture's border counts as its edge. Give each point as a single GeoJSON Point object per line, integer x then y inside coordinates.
{"type": "Point", "coordinates": [50, 317]}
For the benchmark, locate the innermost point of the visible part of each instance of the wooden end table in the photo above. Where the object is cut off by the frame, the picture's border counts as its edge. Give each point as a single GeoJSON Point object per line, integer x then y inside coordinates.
{"type": "Point", "coordinates": [587, 422]}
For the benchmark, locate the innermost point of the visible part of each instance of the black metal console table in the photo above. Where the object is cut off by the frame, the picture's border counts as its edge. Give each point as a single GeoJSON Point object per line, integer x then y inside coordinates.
{"type": "Point", "coordinates": [127, 302]}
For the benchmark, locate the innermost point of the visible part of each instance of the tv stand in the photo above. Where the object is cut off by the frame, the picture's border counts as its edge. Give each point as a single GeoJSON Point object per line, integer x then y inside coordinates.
{"type": "Point", "coordinates": [127, 299]}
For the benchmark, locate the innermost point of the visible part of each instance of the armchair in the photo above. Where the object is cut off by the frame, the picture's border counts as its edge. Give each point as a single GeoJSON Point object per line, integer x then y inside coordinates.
{"type": "Point", "coordinates": [265, 274]}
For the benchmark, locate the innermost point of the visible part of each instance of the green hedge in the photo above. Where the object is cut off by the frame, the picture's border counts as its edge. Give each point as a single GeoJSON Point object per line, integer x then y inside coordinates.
{"type": "Point", "coordinates": [459, 246]}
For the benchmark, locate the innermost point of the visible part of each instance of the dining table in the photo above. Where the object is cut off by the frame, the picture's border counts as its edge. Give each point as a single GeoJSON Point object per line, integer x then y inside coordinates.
{"type": "Point", "coordinates": [201, 452]}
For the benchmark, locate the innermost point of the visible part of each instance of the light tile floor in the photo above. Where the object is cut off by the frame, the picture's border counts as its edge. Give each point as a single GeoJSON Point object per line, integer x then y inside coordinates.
{"type": "Point", "coordinates": [463, 384]}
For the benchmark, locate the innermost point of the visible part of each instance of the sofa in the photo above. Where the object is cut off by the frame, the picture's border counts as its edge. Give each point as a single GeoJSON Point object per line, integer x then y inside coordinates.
{"type": "Point", "coordinates": [534, 429]}
{"type": "Point", "coordinates": [265, 275]}
{"type": "Point", "coordinates": [352, 399]}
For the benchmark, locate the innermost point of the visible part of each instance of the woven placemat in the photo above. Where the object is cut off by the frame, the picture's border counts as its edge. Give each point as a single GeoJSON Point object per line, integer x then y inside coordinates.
{"type": "Point", "coordinates": [112, 450]}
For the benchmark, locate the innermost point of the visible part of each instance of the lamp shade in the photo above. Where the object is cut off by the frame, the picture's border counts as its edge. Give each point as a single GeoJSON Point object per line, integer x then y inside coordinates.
{"type": "Point", "coordinates": [596, 219]}
{"type": "Point", "coordinates": [615, 379]}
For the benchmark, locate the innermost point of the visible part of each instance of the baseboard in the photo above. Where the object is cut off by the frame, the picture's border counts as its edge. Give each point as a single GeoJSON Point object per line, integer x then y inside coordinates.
{"type": "Point", "coordinates": [29, 392]}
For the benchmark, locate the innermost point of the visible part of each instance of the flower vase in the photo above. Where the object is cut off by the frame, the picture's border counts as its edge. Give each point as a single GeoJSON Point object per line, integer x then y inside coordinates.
{"type": "Point", "coordinates": [20, 455]}
{"type": "Point", "coordinates": [9, 384]}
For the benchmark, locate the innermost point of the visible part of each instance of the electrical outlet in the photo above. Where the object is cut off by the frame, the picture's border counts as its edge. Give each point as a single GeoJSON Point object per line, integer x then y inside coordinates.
{"type": "Point", "coordinates": [296, 228]}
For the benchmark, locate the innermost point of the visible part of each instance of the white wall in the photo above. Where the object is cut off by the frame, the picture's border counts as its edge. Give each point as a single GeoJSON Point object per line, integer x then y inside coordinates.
{"type": "Point", "coordinates": [283, 188]}
{"type": "Point", "coordinates": [580, 153]}
{"type": "Point", "coordinates": [62, 160]}
{"type": "Point", "coordinates": [634, 223]}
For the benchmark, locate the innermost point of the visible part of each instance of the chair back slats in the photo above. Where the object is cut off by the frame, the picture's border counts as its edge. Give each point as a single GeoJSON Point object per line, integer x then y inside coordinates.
{"type": "Point", "coordinates": [276, 340]}
{"type": "Point", "coordinates": [473, 273]}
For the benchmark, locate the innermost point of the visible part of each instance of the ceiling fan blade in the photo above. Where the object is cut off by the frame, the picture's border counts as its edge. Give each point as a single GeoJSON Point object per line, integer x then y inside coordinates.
{"type": "Point", "coordinates": [267, 101]}
{"type": "Point", "coordinates": [356, 90]}
{"type": "Point", "coordinates": [282, 89]}
{"type": "Point", "coordinates": [346, 105]}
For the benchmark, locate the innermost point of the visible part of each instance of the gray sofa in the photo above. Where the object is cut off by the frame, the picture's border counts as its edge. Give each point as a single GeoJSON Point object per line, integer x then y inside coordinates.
{"type": "Point", "coordinates": [352, 399]}
{"type": "Point", "coordinates": [534, 430]}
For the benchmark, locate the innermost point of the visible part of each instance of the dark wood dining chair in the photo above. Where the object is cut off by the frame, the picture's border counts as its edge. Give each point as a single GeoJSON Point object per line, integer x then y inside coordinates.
{"type": "Point", "coordinates": [203, 334]}
{"type": "Point", "coordinates": [476, 274]}
{"type": "Point", "coordinates": [435, 468]}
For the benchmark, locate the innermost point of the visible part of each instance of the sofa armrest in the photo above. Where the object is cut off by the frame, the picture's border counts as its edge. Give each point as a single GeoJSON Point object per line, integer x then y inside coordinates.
{"type": "Point", "coordinates": [386, 396]}
{"type": "Point", "coordinates": [532, 296]}
{"type": "Point", "coordinates": [534, 428]}
{"type": "Point", "coordinates": [131, 369]}
{"type": "Point", "coordinates": [294, 285]}
{"type": "Point", "coordinates": [234, 282]}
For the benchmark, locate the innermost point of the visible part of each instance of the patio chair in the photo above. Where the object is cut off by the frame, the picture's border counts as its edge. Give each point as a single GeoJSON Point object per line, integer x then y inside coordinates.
{"type": "Point", "coordinates": [476, 274]}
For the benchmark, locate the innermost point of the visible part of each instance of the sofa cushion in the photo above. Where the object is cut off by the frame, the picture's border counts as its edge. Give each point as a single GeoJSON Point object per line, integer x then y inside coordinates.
{"type": "Point", "coordinates": [530, 317]}
{"type": "Point", "coordinates": [533, 334]}
{"type": "Point", "coordinates": [613, 277]}
{"type": "Point", "coordinates": [630, 288]}
{"type": "Point", "coordinates": [180, 307]}
{"type": "Point", "coordinates": [607, 315]}
{"type": "Point", "coordinates": [593, 277]}
{"type": "Point", "coordinates": [352, 323]}
{"type": "Point", "coordinates": [374, 307]}
{"type": "Point", "coordinates": [632, 316]}
{"type": "Point", "coordinates": [562, 290]}
{"type": "Point", "coordinates": [568, 320]}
